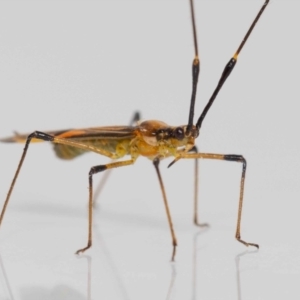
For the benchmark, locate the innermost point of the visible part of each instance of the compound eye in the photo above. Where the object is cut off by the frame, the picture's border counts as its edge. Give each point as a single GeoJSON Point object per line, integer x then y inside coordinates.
{"type": "Point", "coordinates": [179, 133]}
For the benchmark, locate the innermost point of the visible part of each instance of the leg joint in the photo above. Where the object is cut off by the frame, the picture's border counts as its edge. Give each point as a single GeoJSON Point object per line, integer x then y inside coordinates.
{"type": "Point", "coordinates": [97, 169]}
{"type": "Point", "coordinates": [237, 158]}
{"type": "Point", "coordinates": [156, 161]}
{"type": "Point", "coordinates": [41, 135]}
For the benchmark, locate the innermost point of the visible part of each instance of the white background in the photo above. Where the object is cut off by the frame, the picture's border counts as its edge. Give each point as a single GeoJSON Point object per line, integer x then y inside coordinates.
{"type": "Point", "coordinates": [73, 64]}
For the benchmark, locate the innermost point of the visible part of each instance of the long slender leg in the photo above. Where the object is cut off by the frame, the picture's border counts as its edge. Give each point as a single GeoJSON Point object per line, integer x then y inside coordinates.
{"type": "Point", "coordinates": [196, 185]}
{"type": "Point", "coordinates": [174, 241]}
{"type": "Point", "coordinates": [50, 138]}
{"type": "Point", "coordinates": [37, 135]}
{"type": "Point", "coordinates": [94, 170]}
{"type": "Point", "coordinates": [136, 117]}
{"type": "Point", "coordinates": [236, 158]}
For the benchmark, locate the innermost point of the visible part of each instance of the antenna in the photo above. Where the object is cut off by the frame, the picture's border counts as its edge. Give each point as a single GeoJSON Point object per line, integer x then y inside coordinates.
{"type": "Point", "coordinates": [195, 72]}
{"type": "Point", "coordinates": [228, 68]}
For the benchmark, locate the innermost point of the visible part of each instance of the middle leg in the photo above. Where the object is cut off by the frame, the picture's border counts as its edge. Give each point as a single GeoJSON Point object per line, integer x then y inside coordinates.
{"type": "Point", "coordinates": [94, 170]}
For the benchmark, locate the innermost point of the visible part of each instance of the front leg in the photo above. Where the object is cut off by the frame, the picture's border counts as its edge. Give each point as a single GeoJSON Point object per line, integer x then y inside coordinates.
{"type": "Point", "coordinates": [174, 241]}
{"type": "Point", "coordinates": [229, 157]}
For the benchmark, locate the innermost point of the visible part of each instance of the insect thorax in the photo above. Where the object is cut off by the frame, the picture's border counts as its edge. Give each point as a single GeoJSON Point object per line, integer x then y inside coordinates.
{"type": "Point", "coordinates": [156, 138]}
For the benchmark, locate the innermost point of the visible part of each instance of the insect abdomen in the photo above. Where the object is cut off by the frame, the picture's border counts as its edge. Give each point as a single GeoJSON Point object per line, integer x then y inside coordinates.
{"type": "Point", "coordinates": [119, 147]}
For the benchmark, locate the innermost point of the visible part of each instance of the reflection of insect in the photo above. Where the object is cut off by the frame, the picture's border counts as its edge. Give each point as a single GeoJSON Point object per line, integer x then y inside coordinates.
{"type": "Point", "coordinates": [153, 139]}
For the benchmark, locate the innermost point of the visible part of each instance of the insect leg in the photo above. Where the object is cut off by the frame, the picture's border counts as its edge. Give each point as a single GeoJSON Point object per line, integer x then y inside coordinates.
{"type": "Point", "coordinates": [196, 184]}
{"type": "Point", "coordinates": [229, 157]}
{"type": "Point", "coordinates": [136, 117]}
{"type": "Point", "coordinates": [50, 138]}
{"type": "Point", "coordinates": [36, 135]}
{"type": "Point", "coordinates": [94, 170]}
{"type": "Point", "coordinates": [174, 241]}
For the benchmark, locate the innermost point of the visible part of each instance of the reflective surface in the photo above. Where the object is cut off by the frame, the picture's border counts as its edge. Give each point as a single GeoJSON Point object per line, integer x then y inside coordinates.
{"type": "Point", "coordinates": [80, 64]}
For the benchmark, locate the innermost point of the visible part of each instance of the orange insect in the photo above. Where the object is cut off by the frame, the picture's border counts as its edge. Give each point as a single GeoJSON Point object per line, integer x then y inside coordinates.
{"type": "Point", "coordinates": [152, 139]}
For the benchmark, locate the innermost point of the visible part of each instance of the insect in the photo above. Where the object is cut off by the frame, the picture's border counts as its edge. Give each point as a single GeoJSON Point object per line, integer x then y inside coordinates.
{"type": "Point", "coordinates": [152, 139]}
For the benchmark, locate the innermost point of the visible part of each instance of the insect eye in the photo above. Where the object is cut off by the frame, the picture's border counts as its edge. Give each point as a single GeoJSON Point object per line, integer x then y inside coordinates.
{"type": "Point", "coordinates": [179, 133]}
